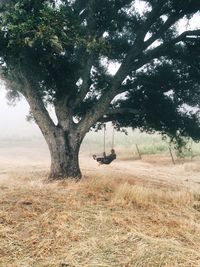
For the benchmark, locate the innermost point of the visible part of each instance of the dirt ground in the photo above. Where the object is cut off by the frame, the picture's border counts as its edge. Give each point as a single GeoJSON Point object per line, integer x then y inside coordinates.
{"type": "Point", "coordinates": [157, 169]}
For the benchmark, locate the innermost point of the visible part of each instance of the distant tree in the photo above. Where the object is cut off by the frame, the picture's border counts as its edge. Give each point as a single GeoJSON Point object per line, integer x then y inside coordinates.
{"type": "Point", "coordinates": [60, 52]}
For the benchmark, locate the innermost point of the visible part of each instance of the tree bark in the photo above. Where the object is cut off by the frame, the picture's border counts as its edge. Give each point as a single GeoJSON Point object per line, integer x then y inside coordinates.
{"type": "Point", "coordinates": [64, 150]}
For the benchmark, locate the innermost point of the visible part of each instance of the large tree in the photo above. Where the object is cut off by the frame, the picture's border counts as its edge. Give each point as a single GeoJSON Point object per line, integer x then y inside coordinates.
{"type": "Point", "coordinates": [61, 52]}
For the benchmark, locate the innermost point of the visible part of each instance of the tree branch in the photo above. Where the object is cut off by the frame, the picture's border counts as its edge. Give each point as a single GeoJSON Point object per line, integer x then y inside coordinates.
{"type": "Point", "coordinates": [64, 114]}
{"type": "Point", "coordinates": [114, 114]}
{"type": "Point", "coordinates": [169, 22]}
{"type": "Point", "coordinates": [91, 29]}
{"type": "Point", "coordinates": [29, 91]}
{"type": "Point", "coordinates": [164, 48]}
{"type": "Point", "coordinates": [184, 36]}
{"type": "Point", "coordinates": [39, 111]}
{"type": "Point", "coordinates": [86, 81]}
{"type": "Point", "coordinates": [153, 15]}
{"type": "Point", "coordinates": [122, 111]}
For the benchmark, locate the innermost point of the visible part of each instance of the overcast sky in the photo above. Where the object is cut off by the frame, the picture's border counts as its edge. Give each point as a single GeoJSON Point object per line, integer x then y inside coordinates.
{"type": "Point", "coordinates": [13, 119]}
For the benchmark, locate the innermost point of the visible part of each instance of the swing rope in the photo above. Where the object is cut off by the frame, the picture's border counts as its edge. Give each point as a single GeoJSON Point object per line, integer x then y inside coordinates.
{"type": "Point", "coordinates": [113, 138]}
{"type": "Point", "coordinates": [104, 139]}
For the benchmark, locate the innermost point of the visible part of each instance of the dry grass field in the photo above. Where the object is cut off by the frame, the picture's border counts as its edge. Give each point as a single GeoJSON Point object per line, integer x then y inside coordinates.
{"type": "Point", "coordinates": [141, 213]}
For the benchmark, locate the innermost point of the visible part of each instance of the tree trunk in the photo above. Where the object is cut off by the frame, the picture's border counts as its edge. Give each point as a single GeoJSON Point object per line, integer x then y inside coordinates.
{"type": "Point", "coordinates": [63, 140]}
{"type": "Point", "coordinates": [64, 150]}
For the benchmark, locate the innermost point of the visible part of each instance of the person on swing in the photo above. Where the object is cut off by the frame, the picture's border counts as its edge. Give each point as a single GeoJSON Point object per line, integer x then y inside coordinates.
{"type": "Point", "coordinates": [106, 159]}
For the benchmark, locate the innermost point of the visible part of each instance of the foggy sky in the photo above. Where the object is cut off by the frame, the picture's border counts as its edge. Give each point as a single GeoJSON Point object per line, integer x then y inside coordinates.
{"type": "Point", "coordinates": [13, 119]}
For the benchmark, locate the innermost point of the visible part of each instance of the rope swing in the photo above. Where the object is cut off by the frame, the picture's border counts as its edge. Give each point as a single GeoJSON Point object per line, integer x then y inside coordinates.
{"type": "Point", "coordinates": [106, 159]}
{"type": "Point", "coordinates": [104, 139]}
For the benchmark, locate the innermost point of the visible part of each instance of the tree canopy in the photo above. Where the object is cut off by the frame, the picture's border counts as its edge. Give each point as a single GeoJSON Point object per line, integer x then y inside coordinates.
{"type": "Point", "coordinates": [61, 52]}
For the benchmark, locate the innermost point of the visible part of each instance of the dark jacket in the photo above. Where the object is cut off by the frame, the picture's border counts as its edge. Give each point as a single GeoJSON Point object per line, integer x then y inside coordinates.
{"type": "Point", "coordinates": [107, 159]}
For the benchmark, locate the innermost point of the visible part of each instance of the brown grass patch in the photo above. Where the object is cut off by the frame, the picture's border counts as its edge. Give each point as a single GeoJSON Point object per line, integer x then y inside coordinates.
{"type": "Point", "coordinates": [148, 196]}
{"type": "Point", "coordinates": [99, 221]}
